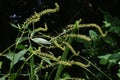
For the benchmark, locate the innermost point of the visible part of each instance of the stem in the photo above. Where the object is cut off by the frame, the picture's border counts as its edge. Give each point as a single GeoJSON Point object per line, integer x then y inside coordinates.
{"type": "Point", "coordinates": [32, 77]}
{"type": "Point", "coordinates": [65, 53]}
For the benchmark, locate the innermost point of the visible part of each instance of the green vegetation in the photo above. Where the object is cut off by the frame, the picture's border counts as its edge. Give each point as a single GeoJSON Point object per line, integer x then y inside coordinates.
{"type": "Point", "coordinates": [36, 52]}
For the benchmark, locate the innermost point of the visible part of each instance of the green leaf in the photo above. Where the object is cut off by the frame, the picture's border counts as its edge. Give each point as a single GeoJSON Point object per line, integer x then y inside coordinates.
{"type": "Point", "coordinates": [21, 46]}
{"type": "Point", "coordinates": [13, 76]}
{"type": "Point", "coordinates": [110, 40]}
{"type": "Point", "coordinates": [65, 76]}
{"type": "Point", "coordinates": [4, 77]}
{"type": "Point", "coordinates": [9, 55]}
{"type": "Point", "coordinates": [40, 41]}
{"type": "Point", "coordinates": [93, 34]}
{"type": "Point", "coordinates": [86, 43]}
{"type": "Point", "coordinates": [114, 58]}
{"type": "Point", "coordinates": [116, 29]}
{"type": "Point", "coordinates": [118, 74]}
{"type": "Point", "coordinates": [107, 24]}
{"type": "Point", "coordinates": [13, 25]}
{"type": "Point", "coordinates": [104, 59]}
{"type": "Point", "coordinates": [46, 60]}
{"type": "Point", "coordinates": [18, 26]}
{"type": "Point", "coordinates": [15, 57]}
{"type": "Point", "coordinates": [20, 40]}
{"type": "Point", "coordinates": [110, 59]}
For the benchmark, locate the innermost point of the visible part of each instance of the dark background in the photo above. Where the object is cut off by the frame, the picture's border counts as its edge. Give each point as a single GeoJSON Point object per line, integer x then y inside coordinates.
{"type": "Point", "coordinates": [16, 11]}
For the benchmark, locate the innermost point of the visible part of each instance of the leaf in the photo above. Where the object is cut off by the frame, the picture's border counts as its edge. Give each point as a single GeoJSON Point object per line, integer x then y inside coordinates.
{"type": "Point", "coordinates": [93, 34]}
{"type": "Point", "coordinates": [13, 76]}
{"type": "Point", "coordinates": [111, 59]}
{"type": "Point", "coordinates": [104, 59]}
{"type": "Point", "coordinates": [116, 29]}
{"type": "Point", "coordinates": [15, 57]}
{"type": "Point", "coordinates": [19, 27]}
{"type": "Point", "coordinates": [21, 46]}
{"type": "Point", "coordinates": [4, 77]}
{"type": "Point", "coordinates": [13, 25]}
{"type": "Point", "coordinates": [65, 76]}
{"type": "Point", "coordinates": [110, 40]}
{"type": "Point", "coordinates": [9, 55]}
{"type": "Point", "coordinates": [40, 41]}
{"type": "Point", "coordinates": [114, 58]}
{"type": "Point", "coordinates": [107, 24]}
{"type": "Point", "coordinates": [118, 74]}
{"type": "Point", "coordinates": [46, 60]}
{"type": "Point", "coordinates": [20, 40]}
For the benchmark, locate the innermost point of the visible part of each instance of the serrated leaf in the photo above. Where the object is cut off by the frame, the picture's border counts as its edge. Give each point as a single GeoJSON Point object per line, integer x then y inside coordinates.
{"type": "Point", "coordinates": [110, 59]}
{"type": "Point", "coordinates": [104, 59]}
{"type": "Point", "coordinates": [93, 34]}
{"type": "Point", "coordinates": [40, 41]}
{"type": "Point", "coordinates": [107, 24]}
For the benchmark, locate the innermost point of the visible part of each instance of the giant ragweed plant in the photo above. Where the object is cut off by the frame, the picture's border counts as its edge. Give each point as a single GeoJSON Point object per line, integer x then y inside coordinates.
{"type": "Point", "coordinates": [28, 36]}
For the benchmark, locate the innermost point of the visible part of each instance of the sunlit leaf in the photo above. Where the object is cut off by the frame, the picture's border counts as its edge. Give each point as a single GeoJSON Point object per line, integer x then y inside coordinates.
{"type": "Point", "coordinates": [40, 41]}
{"type": "Point", "coordinates": [107, 24]}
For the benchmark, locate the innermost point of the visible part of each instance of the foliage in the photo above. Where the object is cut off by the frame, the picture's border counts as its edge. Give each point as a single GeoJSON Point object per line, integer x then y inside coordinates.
{"type": "Point", "coordinates": [37, 50]}
{"type": "Point", "coordinates": [111, 58]}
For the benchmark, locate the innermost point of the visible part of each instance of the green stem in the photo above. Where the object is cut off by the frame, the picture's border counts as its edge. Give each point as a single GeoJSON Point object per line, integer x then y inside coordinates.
{"type": "Point", "coordinates": [32, 76]}
{"type": "Point", "coordinates": [65, 53]}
